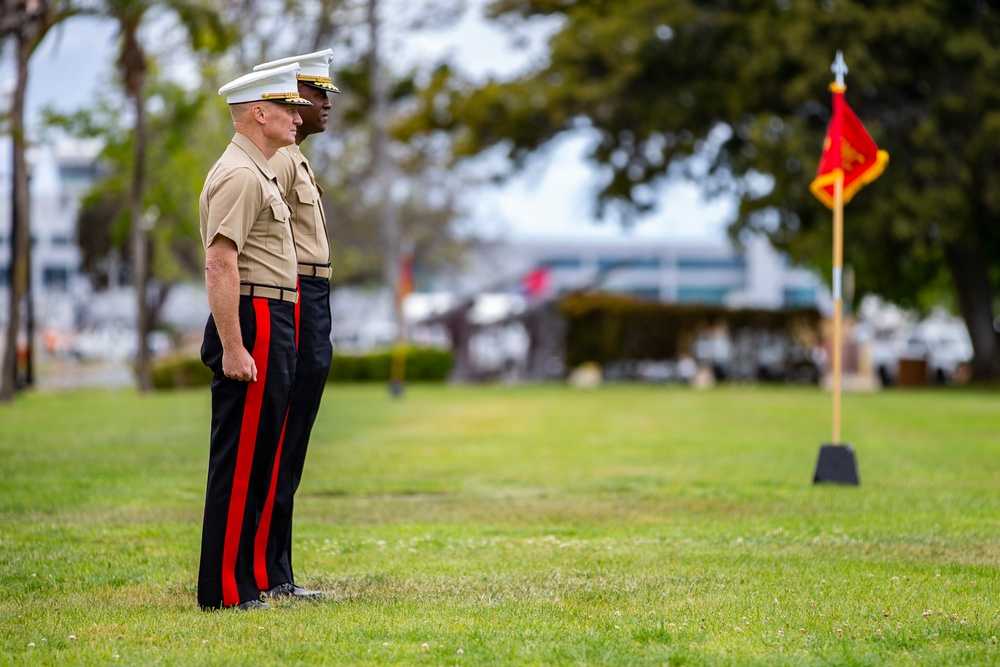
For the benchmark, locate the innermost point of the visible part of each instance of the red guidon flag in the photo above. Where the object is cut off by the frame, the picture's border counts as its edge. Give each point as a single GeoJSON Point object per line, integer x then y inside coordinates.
{"type": "Point", "coordinates": [405, 284]}
{"type": "Point", "coordinates": [536, 284]}
{"type": "Point", "coordinates": [848, 149]}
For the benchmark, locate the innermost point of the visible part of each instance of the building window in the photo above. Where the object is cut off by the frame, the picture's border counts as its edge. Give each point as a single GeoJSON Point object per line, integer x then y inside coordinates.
{"type": "Point", "coordinates": [81, 175]}
{"type": "Point", "coordinates": [736, 262]}
{"type": "Point", "coordinates": [55, 277]}
{"type": "Point", "coordinates": [609, 263]}
{"type": "Point", "coordinates": [560, 263]}
{"type": "Point", "coordinates": [795, 297]}
{"type": "Point", "coordinates": [61, 240]}
{"type": "Point", "coordinates": [711, 295]}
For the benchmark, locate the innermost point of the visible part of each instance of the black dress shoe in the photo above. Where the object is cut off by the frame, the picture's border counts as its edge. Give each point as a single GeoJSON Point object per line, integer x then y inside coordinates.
{"type": "Point", "coordinates": [253, 604]}
{"type": "Point", "coordinates": [291, 590]}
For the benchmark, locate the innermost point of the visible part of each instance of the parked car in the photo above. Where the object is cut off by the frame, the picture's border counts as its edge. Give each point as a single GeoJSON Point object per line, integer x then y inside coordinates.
{"type": "Point", "coordinates": [942, 343]}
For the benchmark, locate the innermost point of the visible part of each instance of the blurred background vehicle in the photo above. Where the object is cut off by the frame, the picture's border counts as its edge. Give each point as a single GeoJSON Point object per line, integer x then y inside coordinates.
{"type": "Point", "coordinates": [940, 343]}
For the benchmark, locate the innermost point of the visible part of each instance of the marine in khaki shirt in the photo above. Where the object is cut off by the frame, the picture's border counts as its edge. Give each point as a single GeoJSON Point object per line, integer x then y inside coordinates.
{"type": "Point", "coordinates": [296, 178]}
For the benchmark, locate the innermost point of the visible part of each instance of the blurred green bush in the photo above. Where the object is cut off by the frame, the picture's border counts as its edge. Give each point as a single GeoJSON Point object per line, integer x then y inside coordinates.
{"type": "Point", "coordinates": [180, 372]}
{"type": "Point", "coordinates": [422, 365]}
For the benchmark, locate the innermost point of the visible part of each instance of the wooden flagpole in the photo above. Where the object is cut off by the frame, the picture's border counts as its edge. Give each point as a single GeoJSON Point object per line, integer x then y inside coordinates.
{"type": "Point", "coordinates": [838, 300]}
{"type": "Point", "coordinates": [839, 69]}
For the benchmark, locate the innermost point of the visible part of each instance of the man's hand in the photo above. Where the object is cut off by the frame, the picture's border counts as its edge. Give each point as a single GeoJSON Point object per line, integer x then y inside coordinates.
{"type": "Point", "coordinates": [238, 364]}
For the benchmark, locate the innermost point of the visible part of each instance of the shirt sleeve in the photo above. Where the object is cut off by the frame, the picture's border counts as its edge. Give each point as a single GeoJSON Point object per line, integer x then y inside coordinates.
{"type": "Point", "coordinates": [234, 203]}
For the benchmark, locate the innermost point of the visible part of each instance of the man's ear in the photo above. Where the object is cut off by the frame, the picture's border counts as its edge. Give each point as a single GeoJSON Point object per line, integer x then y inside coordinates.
{"type": "Point", "coordinates": [258, 113]}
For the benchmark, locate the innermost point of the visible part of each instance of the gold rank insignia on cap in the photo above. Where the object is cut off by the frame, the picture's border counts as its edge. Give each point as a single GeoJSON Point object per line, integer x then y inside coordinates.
{"type": "Point", "coordinates": [315, 70]}
{"type": "Point", "coordinates": [275, 84]}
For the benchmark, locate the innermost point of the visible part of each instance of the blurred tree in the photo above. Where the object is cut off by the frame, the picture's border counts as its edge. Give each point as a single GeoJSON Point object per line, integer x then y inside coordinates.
{"type": "Point", "coordinates": [425, 191]}
{"type": "Point", "coordinates": [206, 32]}
{"type": "Point", "coordinates": [733, 95]}
{"type": "Point", "coordinates": [25, 23]}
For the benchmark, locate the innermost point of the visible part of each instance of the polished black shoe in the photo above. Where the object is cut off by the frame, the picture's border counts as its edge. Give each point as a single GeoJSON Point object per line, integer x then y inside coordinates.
{"type": "Point", "coordinates": [293, 591]}
{"type": "Point", "coordinates": [253, 604]}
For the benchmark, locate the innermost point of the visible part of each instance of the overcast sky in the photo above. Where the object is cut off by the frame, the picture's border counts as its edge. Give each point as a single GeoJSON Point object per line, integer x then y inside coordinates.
{"type": "Point", "coordinates": [553, 198]}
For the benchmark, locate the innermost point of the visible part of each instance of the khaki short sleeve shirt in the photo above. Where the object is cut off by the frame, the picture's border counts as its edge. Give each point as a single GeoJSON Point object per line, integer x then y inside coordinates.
{"type": "Point", "coordinates": [242, 201]}
{"type": "Point", "coordinates": [312, 240]}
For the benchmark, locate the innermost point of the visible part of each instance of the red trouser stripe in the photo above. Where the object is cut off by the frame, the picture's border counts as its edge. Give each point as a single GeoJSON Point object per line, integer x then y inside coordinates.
{"type": "Point", "coordinates": [260, 544]}
{"type": "Point", "coordinates": [244, 457]}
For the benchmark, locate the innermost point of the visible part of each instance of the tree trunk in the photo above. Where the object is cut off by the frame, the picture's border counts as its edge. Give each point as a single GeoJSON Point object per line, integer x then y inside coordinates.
{"type": "Point", "coordinates": [975, 298]}
{"type": "Point", "coordinates": [546, 341]}
{"type": "Point", "coordinates": [160, 294]}
{"type": "Point", "coordinates": [460, 332]}
{"type": "Point", "coordinates": [140, 247]}
{"type": "Point", "coordinates": [20, 221]}
{"type": "Point", "coordinates": [383, 172]}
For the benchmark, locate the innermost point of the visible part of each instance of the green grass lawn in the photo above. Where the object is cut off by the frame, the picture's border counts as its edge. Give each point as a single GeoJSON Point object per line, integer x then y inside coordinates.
{"type": "Point", "coordinates": [530, 525]}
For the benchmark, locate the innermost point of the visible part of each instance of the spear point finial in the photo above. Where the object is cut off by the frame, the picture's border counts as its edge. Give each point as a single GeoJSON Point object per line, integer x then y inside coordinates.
{"type": "Point", "coordinates": [839, 68]}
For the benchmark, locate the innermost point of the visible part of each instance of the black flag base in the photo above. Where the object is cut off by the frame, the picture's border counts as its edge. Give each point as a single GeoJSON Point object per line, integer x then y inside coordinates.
{"type": "Point", "coordinates": [836, 465]}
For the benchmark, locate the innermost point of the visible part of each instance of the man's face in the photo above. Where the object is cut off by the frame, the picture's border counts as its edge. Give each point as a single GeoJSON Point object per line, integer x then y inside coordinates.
{"type": "Point", "coordinates": [281, 122]}
{"type": "Point", "coordinates": [314, 118]}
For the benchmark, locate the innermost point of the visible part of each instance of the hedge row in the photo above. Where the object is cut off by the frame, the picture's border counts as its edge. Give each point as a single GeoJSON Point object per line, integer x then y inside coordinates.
{"type": "Point", "coordinates": [605, 328]}
{"type": "Point", "coordinates": [422, 365]}
{"type": "Point", "coordinates": [177, 372]}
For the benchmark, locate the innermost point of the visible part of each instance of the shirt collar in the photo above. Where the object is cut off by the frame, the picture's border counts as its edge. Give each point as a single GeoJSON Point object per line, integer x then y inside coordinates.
{"type": "Point", "coordinates": [250, 148]}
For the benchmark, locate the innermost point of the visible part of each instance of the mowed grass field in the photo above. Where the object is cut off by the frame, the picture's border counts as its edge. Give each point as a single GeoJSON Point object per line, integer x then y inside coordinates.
{"type": "Point", "coordinates": [538, 525]}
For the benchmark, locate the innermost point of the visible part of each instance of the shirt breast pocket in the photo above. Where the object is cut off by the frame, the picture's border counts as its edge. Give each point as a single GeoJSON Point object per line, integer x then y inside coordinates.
{"type": "Point", "coordinates": [278, 231]}
{"type": "Point", "coordinates": [306, 214]}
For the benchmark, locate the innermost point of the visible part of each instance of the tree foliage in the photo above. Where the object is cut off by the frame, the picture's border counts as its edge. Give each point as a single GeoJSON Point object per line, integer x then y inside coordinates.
{"type": "Point", "coordinates": [185, 130]}
{"type": "Point", "coordinates": [733, 94]}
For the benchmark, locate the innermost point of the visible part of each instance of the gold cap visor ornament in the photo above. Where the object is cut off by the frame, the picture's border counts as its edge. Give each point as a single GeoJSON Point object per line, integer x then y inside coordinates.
{"type": "Point", "coordinates": [275, 84]}
{"type": "Point", "coordinates": [315, 69]}
{"type": "Point", "coordinates": [321, 82]}
{"type": "Point", "coordinates": [287, 98]}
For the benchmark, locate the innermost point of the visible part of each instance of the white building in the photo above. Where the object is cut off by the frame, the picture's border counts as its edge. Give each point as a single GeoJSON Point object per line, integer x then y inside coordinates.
{"type": "Point", "coordinates": [59, 175]}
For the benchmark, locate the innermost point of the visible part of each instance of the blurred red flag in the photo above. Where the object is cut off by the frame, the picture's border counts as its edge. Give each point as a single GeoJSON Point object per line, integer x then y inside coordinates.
{"type": "Point", "coordinates": [405, 285]}
{"type": "Point", "coordinates": [848, 149]}
{"type": "Point", "coordinates": [536, 283]}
